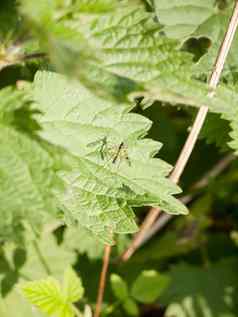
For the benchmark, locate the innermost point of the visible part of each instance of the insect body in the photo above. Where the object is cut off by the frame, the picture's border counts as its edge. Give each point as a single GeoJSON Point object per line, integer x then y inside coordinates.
{"type": "Point", "coordinates": [111, 152]}
{"type": "Point", "coordinates": [121, 153]}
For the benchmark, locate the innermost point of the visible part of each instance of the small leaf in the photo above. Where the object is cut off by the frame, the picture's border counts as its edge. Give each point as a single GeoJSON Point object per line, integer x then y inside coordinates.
{"type": "Point", "coordinates": [130, 307]}
{"type": "Point", "coordinates": [45, 294]}
{"type": "Point", "coordinates": [119, 287]}
{"type": "Point", "coordinates": [148, 286]}
{"type": "Point", "coordinates": [51, 298]}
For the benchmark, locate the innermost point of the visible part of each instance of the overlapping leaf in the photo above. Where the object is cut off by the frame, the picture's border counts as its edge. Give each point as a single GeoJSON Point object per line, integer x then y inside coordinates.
{"type": "Point", "coordinates": [26, 170]}
{"type": "Point", "coordinates": [181, 18]}
{"type": "Point", "coordinates": [80, 239]}
{"type": "Point", "coordinates": [184, 19]}
{"type": "Point", "coordinates": [45, 257]}
{"type": "Point", "coordinates": [178, 90]}
{"type": "Point", "coordinates": [101, 189]}
{"type": "Point", "coordinates": [131, 43]}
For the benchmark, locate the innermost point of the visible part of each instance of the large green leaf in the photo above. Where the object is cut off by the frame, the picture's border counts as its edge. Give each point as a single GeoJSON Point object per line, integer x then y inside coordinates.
{"type": "Point", "coordinates": [116, 169]}
{"type": "Point", "coordinates": [27, 169]}
{"type": "Point", "coordinates": [131, 43]}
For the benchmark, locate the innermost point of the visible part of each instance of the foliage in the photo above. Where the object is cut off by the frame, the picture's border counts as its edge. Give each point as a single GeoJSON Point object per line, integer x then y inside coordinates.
{"type": "Point", "coordinates": [53, 300]}
{"type": "Point", "coordinates": [147, 287]}
{"type": "Point", "coordinates": [195, 296]}
{"type": "Point", "coordinates": [86, 96]}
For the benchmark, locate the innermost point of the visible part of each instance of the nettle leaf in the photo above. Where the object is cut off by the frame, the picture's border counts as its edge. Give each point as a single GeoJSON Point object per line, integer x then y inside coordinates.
{"type": "Point", "coordinates": [27, 173]}
{"type": "Point", "coordinates": [68, 48]}
{"type": "Point", "coordinates": [179, 89]}
{"type": "Point", "coordinates": [216, 131]}
{"type": "Point", "coordinates": [181, 18]}
{"type": "Point", "coordinates": [53, 299]}
{"type": "Point", "coordinates": [94, 6]}
{"type": "Point", "coordinates": [132, 44]}
{"type": "Point", "coordinates": [185, 19]}
{"type": "Point", "coordinates": [183, 91]}
{"type": "Point", "coordinates": [116, 169]}
{"type": "Point", "coordinates": [234, 135]}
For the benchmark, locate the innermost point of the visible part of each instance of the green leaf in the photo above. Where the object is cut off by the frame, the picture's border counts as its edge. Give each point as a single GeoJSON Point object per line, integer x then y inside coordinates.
{"type": "Point", "coordinates": [181, 90]}
{"type": "Point", "coordinates": [50, 298]}
{"type": "Point", "coordinates": [195, 291]}
{"type": "Point", "coordinates": [119, 287]}
{"type": "Point", "coordinates": [184, 19]}
{"type": "Point", "coordinates": [101, 189]}
{"type": "Point", "coordinates": [45, 294]}
{"type": "Point", "coordinates": [130, 307]}
{"type": "Point", "coordinates": [80, 239]}
{"type": "Point", "coordinates": [216, 131]}
{"type": "Point", "coordinates": [27, 168]}
{"type": "Point", "coordinates": [26, 181]}
{"type": "Point", "coordinates": [132, 45]}
{"type": "Point", "coordinates": [45, 257]}
{"type": "Point", "coordinates": [214, 29]}
{"type": "Point", "coordinates": [69, 50]}
{"type": "Point", "coordinates": [181, 18]}
{"type": "Point", "coordinates": [148, 286]}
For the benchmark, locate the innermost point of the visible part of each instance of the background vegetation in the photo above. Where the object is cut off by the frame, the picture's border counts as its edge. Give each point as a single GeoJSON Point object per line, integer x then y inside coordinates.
{"type": "Point", "coordinates": [90, 91]}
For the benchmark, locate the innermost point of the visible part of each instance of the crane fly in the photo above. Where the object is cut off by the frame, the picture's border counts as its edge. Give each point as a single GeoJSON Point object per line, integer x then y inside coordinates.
{"type": "Point", "coordinates": [112, 152]}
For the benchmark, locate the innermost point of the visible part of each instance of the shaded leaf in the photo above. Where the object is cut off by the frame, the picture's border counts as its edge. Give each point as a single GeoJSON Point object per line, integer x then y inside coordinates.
{"type": "Point", "coordinates": [148, 286]}
{"type": "Point", "coordinates": [119, 287]}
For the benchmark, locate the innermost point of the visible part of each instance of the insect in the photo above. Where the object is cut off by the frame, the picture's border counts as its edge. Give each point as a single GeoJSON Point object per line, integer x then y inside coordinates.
{"type": "Point", "coordinates": [111, 152]}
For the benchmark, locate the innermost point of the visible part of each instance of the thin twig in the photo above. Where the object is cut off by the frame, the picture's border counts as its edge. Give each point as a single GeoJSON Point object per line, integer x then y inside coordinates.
{"type": "Point", "coordinates": [102, 282]}
{"type": "Point", "coordinates": [164, 218]}
{"type": "Point", "coordinates": [194, 133]}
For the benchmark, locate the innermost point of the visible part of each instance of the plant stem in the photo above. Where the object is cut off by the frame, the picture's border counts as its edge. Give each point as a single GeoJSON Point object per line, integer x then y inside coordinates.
{"type": "Point", "coordinates": [102, 282]}
{"type": "Point", "coordinates": [194, 133]}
